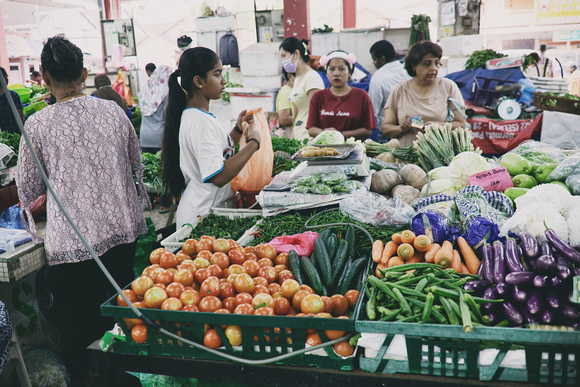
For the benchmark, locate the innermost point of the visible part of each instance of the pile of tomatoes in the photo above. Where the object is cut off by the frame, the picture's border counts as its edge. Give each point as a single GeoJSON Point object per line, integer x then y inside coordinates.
{"type": "Point", "coordinates": [220, 276]}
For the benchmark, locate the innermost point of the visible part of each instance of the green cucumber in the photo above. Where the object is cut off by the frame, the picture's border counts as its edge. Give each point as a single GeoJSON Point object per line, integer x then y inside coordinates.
{"type": "Point", "coordinates": [294, 260]}
{"type": "Point", "coordinates": [349, 237]}
{"type": "Point", "coordinates": [312, 274]}
{"type": "Point", "coordinates": [323, 261]}
{"type": "Point", "coordinates": [353, 270]}
{"type": "Point", "coordinates": [343, 275]}
{"type": "Point", "coordinates": [331, 245]}
{"type": "Point", "coordinates": [338, 263]}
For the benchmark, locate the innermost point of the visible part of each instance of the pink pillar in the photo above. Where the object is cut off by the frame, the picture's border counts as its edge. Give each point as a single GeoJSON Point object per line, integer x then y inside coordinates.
{"type": "Point", "coordinates": [297, 19]}
{"type": "Point", "coordinates": [349, 13]}
{"type": "Point", "coordinates": [4, 62]}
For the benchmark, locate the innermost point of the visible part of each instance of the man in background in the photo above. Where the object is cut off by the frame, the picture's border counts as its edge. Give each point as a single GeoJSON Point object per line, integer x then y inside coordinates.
{"type": "Point", "coordinates": [7, 120]}
{"type": "Point", "coordinates": [389, 73]}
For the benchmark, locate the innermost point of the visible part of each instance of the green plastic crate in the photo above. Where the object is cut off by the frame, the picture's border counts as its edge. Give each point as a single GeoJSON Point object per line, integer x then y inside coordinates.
{"type": "Point", "coordinates": [24, 94]}
{"type": "Point", "coordinates": [551, 356]}
{"type": "Point", "coordinates": [263, 337]}
{"type": "Point", "coordinates": [33, 108]}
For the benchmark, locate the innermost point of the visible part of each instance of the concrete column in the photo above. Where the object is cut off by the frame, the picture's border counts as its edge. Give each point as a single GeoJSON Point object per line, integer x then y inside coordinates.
{"type": "Point", "coordinates": [349, 13]}
{"type": "Point", "coordinates": [4, 62]}
{"type": "Point", "coordinates": [297, 19]}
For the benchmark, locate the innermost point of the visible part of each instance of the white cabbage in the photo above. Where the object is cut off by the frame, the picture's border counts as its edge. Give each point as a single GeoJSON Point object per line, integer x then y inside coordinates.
{"type": "Point", "coordinates": [328, 137]}
{"type": "Point", "coordinates": [439, 173]}
{"type": "Point", "coordinates": [441, 186]}
{"type": "Point", "coordinates": [464, 165]}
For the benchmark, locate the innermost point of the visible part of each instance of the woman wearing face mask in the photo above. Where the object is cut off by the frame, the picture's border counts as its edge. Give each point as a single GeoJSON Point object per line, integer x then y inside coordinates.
{"type": "Point", "coordinates": [295, 59]}
{"type": "Point", "coordinates": [340, 107]}
{"type": "Point", "coordinates": [425, 96]}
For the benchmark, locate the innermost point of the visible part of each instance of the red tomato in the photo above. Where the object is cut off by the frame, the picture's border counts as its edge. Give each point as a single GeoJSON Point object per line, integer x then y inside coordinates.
{"type": "Point", "coordinates": [187, 265]}
{"type": "Point", "coordinates": [280, 268]}
{"type": "Point", "coordinates": [339, 305]}
{"type": "Point", "coordinates": [139, 333]}
{"type": "Point", "coordinates": [281, 306]}
{"type": "Point", "coordinates": [189, 247]}
{"type": "Point", "coordinates": [262, 299]}
{"type": "Point", "coordinates": [215, 271]}
{"type": "Point", "coordinates": [267, 251]}
{"type": "Point", "coordinates": [236, 256]}
{"type": "Point", "coordinates": [155, 255]}
{"type": "Point", "coordinates": [234, 335]}
{"type": "Point", "coordinates": [229, 303]}
{"type": "Point", "coordinates": [244, 283]}
{"type": "Point", "coordinates": [141, 284]}
{"type": "Point", "coordinates": [297, 298]}
{"type": "Point", "coordinates": [149, 271]}
{"type": "Point", "coordinates": [190, 308]}
{"type": "Point", "coordinates": [130, 295]}
{"type": "Point", "coordinates": [269, 273]}
{"type": "Point", "coordinates": [258, 289]}
{"type": "Point", "coordinates": [250, 249]}
{"type": "Point", "coordinates": [190, 297]}
{"type": "Point", "coordinates": [137, 304]}
{"type": "Point", "coordinates": [201, 275]}
{"type": "Point", "coordinates": [201, 261]}
{"type": "Point", "coordinates": [312, 303]}
{"type": "Point", "coordinates": [204, 244]}
{"type": "Point", "coordinates": [284, 275]}
{"type": "Point", "coordinates": [251, 267]}
{"type": "Point", "coordinates": [210, 287]}
{"type": "Point", "coordinates": [328, 305]}
{"type": "Point", "coordinates": [226, 290]}
{"type": "Point", "coordinates": [236, 269]}
{"type": "Point", "coordinates": [162, 286]}
{"type": "Point", "coordinates": [244, 309]}
{"type": "Point", "coordinates": [174, 289]}
{"type": "Point", "coordinates": [211, 339]}
{"type": "Point", "coordinates": [251, 256]}
{"type": "Point", "coordinates": [181, 256]}
{"type": "Point", "coordinates": [260, 281]}
{"type": "Point", "coordinates": [154, 297]}
{"type": "Point", "coordinates": [313, 339]}
{"type": "Point", "coordinates": [289, 287]}
{"type": "Point", "coordinates": [274, 287]}
{"type": "Point", "coordinates": [243, 298]}
{"type": "Point", "coordinates": [183, 276]}
{"type": "Point", "coordinates": [265, 262]}
{"type": "Point", "coordinates": [210, 304]}
{"type": "Point", "coordinates": [168, 259]}
{"type": "Point", "coordinates": [264, 311]}
{"type": "Point", "coordinates": [221, 245]}
{"type": "Point", "coordinates": [282, 259]}
{"type": "Point", "coordinates": [172, 303]}
{"type": "Point", "coordinates": [307, 288]}
{"type": "Point", "coordinates": [352, 297]}
{"type": "Point", "coordinates": [232, 243]}
{"type": "Point", "coordinates": [343, 348]}
{"type": "Point", "coordinates": [220, 259]}
{"type": "Point", "coordinates": [164, 277]}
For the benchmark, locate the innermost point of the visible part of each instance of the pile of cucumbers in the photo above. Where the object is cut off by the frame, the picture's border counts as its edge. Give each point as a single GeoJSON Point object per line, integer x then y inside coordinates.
{"type": "Point", "coordinates": [332, 267]}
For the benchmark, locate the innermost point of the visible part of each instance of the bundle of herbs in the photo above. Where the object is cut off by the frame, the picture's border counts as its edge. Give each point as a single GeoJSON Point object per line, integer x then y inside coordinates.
{"type": "Point", "coordinates": [405, 153]}
{"type": "Point", "coordinates": [13, 142]}
{"type": "Point", "coordinates": [153, 170]}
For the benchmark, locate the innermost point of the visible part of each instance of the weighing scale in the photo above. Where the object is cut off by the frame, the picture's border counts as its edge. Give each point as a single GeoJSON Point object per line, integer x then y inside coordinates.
{"type": "Point", "coordinates": [357, 164]}
{"type": "Point", "coordinates": [507, 107]}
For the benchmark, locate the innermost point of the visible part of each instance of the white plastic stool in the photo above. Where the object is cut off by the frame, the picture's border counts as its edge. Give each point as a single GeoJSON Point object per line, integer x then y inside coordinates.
{"type": "Point", "coordinates": [15, 354]}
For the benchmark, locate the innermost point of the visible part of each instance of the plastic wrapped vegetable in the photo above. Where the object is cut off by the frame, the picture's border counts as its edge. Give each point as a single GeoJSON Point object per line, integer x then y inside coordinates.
{"type": "Point", "coordinates": [347, 186]}
{"type": "Point", "coordinates": [540, 152]}
{"type": "Point", "coordinates": [320, 189]}
{"type": "Point", "coordinates": [301, 189]}
{"type": "Point", "coordinates": [570, 166]}
{"type": "Point", "coordinates": [334, 178]}
{"type": "Point", "coordinates": [309, 180]}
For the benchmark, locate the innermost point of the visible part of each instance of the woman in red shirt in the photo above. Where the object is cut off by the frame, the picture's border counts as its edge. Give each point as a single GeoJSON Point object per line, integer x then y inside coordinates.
{"type": "Point", "coordinates": [341, 107]}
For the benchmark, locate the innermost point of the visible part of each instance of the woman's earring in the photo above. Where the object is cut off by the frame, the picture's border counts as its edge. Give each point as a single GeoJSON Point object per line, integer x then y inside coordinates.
{"type": "Point", "coordinates": [84, 86]}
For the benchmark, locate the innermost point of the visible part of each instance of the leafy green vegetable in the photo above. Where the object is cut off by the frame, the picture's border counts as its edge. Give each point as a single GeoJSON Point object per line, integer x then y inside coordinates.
{"type": "Point", "coordinates": [419, 29]}
{"type": "Point", "coordinates": [153, 174]}
{"type": "Point", "coordinates": [287, 145]}
{"type": "Point", "coordinates": [13, 141]}
{"type": "Point", "coordinates": [223, 227]}
{"type": "Point", "coordinates": [226, 95]}
{"type": "Point", "coordinates": [478, 58]}
{"type": "Point", "coordinates": [404, 153]}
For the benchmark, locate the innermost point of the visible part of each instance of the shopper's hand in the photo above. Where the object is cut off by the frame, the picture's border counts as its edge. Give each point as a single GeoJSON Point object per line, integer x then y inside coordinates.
{"type": "Point", "coordinates": [405, 125]}
{"type": "Point", "coordinates": [253, 131]}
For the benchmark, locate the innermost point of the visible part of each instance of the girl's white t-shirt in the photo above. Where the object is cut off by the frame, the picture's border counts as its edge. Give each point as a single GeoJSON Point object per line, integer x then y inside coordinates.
{"type": "Point", "coordinates": [204, 146]}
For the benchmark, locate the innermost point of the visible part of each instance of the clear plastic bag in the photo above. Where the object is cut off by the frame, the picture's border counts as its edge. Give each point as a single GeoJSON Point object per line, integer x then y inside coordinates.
{"type": "Point", "coordinates": [573, 182]}
{"type": "Point", "coordinates": [570, 166]}
{"type": "Point", "coordinates": [540, 152]}
{"type": "Point", "coordinates": [371, 208]}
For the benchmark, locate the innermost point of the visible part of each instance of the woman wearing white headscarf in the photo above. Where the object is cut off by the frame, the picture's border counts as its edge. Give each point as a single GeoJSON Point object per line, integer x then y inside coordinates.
{"type": "Point", "coordinates": [152, 100]}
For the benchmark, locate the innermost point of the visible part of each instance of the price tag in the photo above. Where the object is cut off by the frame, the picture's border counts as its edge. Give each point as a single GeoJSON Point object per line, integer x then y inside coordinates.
{"type": "Point", "coordinates": [496, 179]}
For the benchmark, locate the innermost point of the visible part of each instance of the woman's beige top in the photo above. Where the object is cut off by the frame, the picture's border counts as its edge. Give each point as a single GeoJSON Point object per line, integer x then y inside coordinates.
{"type": "Point", "coordinates": [406, 102]}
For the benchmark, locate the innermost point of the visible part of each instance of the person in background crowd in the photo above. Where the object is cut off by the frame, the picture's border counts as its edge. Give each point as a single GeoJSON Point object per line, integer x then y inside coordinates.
{"type": "Point", "coordinates": [152, 100]}
{"type": "Point", "coordinates": [295, 58]}
{"type": "Point", "coordinates": [198, 157]}
{"type": "Point", "coordinates": [341, 107]}
{"type": "Point", "coordinates": [36, 78]}
{"type": "Point", "coordinates": [105, 91]}
{"type": "Point", "coordinates": [533, 69]}
{"type": "Point", "coordinates": [284, 107]}
{"type": "Point", "coordinates": [425, 95]}
{"type": "Point", "coordinates": [149, 68]}
{"type": "Point", "coordinates": [390, 72]}
{"type": "Point", "coordinates": [7, 120]}
{"type": "Point", "coordinates": [90, 153]}
{"type": "Point", "coordinates": [573, 78]}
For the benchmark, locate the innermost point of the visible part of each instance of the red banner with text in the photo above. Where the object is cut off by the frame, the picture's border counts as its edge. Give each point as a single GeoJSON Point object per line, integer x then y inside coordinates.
{"type": "Point", "coordinates": [495, 136]}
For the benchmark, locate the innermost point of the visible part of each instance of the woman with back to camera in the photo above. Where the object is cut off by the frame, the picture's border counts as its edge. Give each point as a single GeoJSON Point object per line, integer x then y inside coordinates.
{"type": "Point", "coordinates": [90, 153]}
{"type": "Point", "coordinates": [198, 156]}
{"type": "Point", "coordinates": [295, 60]}
{"type": "Point", "coordinates": [341, 107]}
{"type": "Point", "coordinates": [425, 96]}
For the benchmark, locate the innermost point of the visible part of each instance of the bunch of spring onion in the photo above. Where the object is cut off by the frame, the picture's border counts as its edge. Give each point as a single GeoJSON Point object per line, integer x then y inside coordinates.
{"type": "Point", "coordinates": [405, 153]}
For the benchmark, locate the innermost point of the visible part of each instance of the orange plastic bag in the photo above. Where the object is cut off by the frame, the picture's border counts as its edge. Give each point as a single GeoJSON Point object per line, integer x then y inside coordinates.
{"type": "Point", "coordinates": [257, 172]}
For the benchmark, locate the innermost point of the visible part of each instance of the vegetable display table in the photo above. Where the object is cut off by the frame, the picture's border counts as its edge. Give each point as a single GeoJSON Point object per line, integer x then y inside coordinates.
{"type": "Point", "coordinates": [105, 368]}
{"type": "Point", "coordinates": [25, 259]}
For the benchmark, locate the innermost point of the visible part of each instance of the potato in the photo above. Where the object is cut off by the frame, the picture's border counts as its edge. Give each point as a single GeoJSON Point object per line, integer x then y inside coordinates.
{"type": "Point", "coordinates": [384, 180]}
{"type": "Point", "coordinates": [413, 175]}
{"type": "Point", "coordinates": [386, 157]}
{"type": "Point", "coordinates": [407, 193]}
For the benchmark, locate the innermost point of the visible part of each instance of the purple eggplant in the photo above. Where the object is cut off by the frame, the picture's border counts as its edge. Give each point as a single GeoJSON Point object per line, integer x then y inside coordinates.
{"type": "Point", "coordinates": [547, 317]}
{"type": "Point", "coordinates": [544, 263]}
{"type": "Point", "coordinates": [563, 247]}
{"type": "Point", "coordinates": [529, 318]}
{"type": "Point", "coordinates": [481, 270]}
{"type": "Point", "coordinates": [529, 244]}
{"type": "Point", "coordinates": [562, 268]}
{"type": "Point", "coordinates": [519, 278]}
{"type": "Point", "coordinates": [534, 302]}
{"type": "Point", "coordinates": [576, 271]}
{"type": "Point", "coordinates": [487, 262]}
{"type": "Point", "coordinates": [492, 317]}
{"type": "Point", "coordinates": [552, 300]}
{"type": "Point", "coordinates": [540, 280]}
{"type": "Point", "coordinates": [511, 313]}
{"type": "Point", "coordinates": [519, 293]}
{"type": "Point", "coordinates": [556, 283]}
{"type": "Point", "coordinates": [569, 312]}
{"type": "Point", "coordinates": [499, 267]}
{"type": "Point", "coordinates": [478, 287]}
{"type": "Point", "coordinates": [512, 258]}
{"type": "Point", "coordinates": [544, 245]}
{"type": "Point", "coordinates": [502, 289]}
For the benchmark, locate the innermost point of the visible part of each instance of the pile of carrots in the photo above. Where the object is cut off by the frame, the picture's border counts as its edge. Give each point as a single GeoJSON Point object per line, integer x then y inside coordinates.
{"type": "Point", "coordinates": [406, 247]}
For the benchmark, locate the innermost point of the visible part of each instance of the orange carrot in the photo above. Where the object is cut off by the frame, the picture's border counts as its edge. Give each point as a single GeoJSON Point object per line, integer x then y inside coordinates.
{"type": "Point", "coordinates": [377, 251]}
{"type": "Point", "coordinates": [422, 243]}
{"type": "Point", "coordinates": [395, 261]}
{"type": "Point", "coordinates": [418, 257]}
{"type": "Point", "coordinates": [444, 256]}
{"type": "Point", "coordinates": [405, 251]}
{"type": "Point", "coordinates": [456, 262]}
{"type": "Point", "coordinates": [389, 250]}
{"type": "Point", "coordinates": [380, 266]}
{"type": "Point", "coordinates": [464, 269]}
{"type": "Point", "coordinates": [430, 254]}
{"type": "Point", "coordinates": [407, 236]}
{"type": "Point", "coordinates": [396, 238]}
{"type": "Point", "coordinates": [471, 261]}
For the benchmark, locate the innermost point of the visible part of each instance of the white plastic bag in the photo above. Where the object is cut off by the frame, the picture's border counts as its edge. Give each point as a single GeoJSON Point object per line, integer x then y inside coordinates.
{"type": "Point", "coordinates": [372, 208]}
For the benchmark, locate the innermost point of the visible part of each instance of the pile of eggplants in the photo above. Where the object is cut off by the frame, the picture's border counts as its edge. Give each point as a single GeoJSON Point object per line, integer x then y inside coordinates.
{"type": "Point", "coordinates": [533, 276]}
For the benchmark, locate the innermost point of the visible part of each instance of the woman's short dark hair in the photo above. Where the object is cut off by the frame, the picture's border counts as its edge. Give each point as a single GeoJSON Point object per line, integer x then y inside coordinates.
{"type": "Point", "coordinates": [383, 48]}
{"type": "Point", "coordinates": [418, 51]}
{"type": "Point", "coordinates": [102, 80]}
{"type": "Point", "coordinates": [197, 61]}
{"type": "Point", "coordinates": [150, 67]}
{"type": "Point", "coordinates": [62, 59]}
{"type": "Point", "coordinates": [292, 44]}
